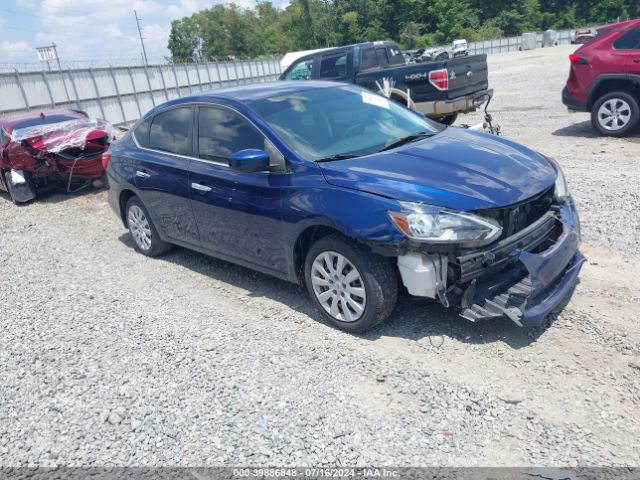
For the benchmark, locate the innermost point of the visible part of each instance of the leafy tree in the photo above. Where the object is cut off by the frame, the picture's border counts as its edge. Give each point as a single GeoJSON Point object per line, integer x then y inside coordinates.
{"type": "Point", "coordinates": [409, 33]}
{"type": "Point", "coordinates": [228, 30]}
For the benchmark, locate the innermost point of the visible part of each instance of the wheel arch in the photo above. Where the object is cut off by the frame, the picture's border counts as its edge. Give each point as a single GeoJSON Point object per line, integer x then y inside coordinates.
{"type": "Point", "coordinates": [123, 198]}
{"type": "Point", "coordinates": [305, 240]}
{"type": "Point", "coordinates": [611, 83]}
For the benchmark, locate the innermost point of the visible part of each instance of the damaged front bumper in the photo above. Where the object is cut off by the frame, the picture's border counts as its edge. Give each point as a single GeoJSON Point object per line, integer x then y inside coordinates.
{"type": "Point", "coordinates": [523, 277]}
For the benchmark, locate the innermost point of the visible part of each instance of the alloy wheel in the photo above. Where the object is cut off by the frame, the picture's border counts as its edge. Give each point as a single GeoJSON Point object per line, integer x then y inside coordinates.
{"type": "Point", "coordinates": [338, 286]}
{"type": "Point", "coordinates": [139, 226]}
{"type": "Point", "coordinates": [614, 114]}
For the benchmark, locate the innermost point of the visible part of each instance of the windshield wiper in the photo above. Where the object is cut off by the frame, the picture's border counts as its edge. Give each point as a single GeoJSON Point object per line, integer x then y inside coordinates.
{"type": "Point", "coordinates": [339, 156]}
{"type": "Point", "coordinates": [409, 138]}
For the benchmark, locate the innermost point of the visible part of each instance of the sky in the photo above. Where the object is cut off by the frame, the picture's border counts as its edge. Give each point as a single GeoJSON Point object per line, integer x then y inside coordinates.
{"type": "Point", "coordinates": [86, 30]}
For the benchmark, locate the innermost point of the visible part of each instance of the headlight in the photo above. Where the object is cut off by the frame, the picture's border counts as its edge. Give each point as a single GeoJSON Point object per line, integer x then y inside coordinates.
{"type": "Point", "coordinates": [439, 225]}
{"type": "Point", "coordinates": [561, 191]}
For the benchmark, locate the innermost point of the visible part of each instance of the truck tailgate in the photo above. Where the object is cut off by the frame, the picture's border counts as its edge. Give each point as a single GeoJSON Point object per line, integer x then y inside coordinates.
{"type": "Point", "coordinates": [467, 75]}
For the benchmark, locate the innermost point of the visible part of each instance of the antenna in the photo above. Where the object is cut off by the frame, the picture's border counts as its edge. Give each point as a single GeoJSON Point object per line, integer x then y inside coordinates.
{"type": "Point", "coordinates": [144, 52]}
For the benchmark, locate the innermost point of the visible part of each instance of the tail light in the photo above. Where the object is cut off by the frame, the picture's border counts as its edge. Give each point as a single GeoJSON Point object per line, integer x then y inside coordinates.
{"type": "Point", "coordinates": [106, 158]}
{"type": "Point", "coordinates": [576, 58]}
{"type": "Point", "coordinates": [439, 79]}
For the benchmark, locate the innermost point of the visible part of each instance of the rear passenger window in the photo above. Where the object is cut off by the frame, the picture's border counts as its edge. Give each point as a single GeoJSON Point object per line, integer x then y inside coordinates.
{"type": "Point", "coordinates": [629, 41]}
{"type": "Point", "coordinates": [222, 132]}
{"type": "Point", "coordinates": [334, 67]}
{"type": "Point", "coordinates": [141, 132]}
{"type": "Point", "coordinates": [381, 53]}
{"type": "Point", "coordinates": [369, 59]}
{"type": "Point", "coordinates": [300, 71]}
{"type": "Point", "coordinates": [170, 131]}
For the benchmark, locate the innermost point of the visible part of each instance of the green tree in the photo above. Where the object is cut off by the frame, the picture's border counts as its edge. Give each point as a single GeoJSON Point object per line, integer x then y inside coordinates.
{"type": "Point", "coordinates": [451, 18]}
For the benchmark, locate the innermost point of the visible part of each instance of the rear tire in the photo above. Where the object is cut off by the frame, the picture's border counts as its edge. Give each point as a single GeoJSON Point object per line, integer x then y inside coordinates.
{"type": "Point", "coordinates": [352, 287]}
{"type": "Point", "coordinates": [141, 228]}
{"type": "Point", "coordinates": [615, 114]}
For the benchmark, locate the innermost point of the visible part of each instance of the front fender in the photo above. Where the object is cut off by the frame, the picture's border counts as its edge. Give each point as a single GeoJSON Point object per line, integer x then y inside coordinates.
{"type": "Point", "coordinates": [358, 215]}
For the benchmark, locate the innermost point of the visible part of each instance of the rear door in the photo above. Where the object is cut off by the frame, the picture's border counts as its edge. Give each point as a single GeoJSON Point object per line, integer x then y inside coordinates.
{"type": "Point", "coordinates": [161, 172]}
{"type": "Point", "coordinates": [467, 75]}
{"type": "Point", "coordinates": [627, 50]}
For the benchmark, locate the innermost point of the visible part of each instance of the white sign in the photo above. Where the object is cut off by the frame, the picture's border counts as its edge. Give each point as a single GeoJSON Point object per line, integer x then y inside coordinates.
{"type": "Point", "coordinates": [46, 53]}
{"type": "Point", "coordinates": [373, 99]}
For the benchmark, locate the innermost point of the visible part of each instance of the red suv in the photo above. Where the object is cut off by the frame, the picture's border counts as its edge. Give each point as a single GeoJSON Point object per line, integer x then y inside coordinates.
{"type": "Point", "coordinates": [605, 79]}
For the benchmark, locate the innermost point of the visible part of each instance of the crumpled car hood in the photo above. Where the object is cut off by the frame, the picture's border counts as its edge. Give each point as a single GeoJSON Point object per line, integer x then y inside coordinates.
{"type": "Point", "coordinates": [457, 168]}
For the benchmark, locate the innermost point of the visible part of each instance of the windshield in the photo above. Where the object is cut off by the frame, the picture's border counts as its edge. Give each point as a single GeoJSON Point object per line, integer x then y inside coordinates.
{"type": "Point", "coordinates": [340, 121]}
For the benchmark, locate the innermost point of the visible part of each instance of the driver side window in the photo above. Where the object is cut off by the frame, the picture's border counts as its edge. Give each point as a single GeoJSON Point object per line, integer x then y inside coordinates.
{"type": "Point", "coordinates": [222, 132]}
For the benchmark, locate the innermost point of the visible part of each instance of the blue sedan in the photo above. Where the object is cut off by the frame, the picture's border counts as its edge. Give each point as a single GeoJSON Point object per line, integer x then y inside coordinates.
{"type": "Point", "coordinates": [353, 195]}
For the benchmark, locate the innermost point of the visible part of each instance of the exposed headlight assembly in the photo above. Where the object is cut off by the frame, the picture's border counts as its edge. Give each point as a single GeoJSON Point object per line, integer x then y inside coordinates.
{"type": "Point", "coordinates": [560, 191]}
{"type": "Point", "coordinates": [432, 224]}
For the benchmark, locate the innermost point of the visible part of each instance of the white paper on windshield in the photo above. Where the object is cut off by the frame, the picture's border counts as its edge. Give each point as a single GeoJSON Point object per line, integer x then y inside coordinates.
{"type": "Point", "coordinates": [376, 100]}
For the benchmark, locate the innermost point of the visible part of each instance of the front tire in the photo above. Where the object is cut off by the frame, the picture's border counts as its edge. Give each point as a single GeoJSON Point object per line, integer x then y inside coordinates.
{"type": "Point", "coordinates": [352, 287]}
{"type": "Point", "coordinates": [615, 114]}
{"type": "Point", "coordinates": [141, 228]}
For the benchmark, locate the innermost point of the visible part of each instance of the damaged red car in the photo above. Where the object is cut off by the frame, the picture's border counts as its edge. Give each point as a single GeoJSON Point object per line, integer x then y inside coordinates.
{"type": "Point", "coordinates": [63, 149]}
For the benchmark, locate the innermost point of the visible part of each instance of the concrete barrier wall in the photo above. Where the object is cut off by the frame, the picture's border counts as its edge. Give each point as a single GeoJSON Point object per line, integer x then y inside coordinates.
{"type": "Point", "coordinates": [124, 94]}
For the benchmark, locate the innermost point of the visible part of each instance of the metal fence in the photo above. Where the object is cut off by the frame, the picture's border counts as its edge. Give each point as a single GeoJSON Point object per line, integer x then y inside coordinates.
{"type": "Point", "coordinates": [513, 44]}
{"type": "Point", "coordinates": [124, 94]}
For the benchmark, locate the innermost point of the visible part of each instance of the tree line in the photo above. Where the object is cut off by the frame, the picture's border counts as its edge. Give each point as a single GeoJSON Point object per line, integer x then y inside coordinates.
{"type": "Point", "coordinates": [227, 30]}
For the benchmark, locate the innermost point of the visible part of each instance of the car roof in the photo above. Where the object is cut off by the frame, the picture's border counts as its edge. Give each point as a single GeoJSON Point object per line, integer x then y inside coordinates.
{"type": "Point", "coordinates": [247, 94]}
{"type": "Point", "coordinates": [9, 122]}
{"type": "Point", "coordinates": [622, 25]}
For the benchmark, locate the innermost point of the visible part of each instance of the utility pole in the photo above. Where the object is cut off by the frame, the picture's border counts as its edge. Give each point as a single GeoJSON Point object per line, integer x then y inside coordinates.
{"type": "Point", "coordinates": [55, 50]}
{"type": "Point", "coordinates": [144, 52]}
{"type": "Point", "coordinates": [64, 82]}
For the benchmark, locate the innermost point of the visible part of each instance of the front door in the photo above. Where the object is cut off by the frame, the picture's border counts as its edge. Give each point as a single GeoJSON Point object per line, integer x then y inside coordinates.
{"type": "Point", "coordinates": [238, 214]}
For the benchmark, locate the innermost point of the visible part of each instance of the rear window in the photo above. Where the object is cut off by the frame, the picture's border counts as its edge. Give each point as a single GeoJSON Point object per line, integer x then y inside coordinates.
{"type": "Point", "coordinates": [170, 131]}
{"type": "Point", "coordinates": [141, 132]}
{"type": "Point", "coordinates": [45, 120]}
{"type": "Point", "coordinates": [629, 41]}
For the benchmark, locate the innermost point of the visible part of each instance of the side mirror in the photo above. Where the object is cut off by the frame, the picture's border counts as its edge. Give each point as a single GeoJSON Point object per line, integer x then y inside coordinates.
{"type": "Point", "coordinates": [249, 160]}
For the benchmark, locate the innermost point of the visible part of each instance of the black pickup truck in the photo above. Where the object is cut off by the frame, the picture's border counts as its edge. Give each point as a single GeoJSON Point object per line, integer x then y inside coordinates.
{"type": "Point", "coordinates": [440, 89]}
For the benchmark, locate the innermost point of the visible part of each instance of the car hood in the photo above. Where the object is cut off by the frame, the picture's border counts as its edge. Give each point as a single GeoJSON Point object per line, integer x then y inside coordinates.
{"type": "Point", "coordinates": [457, 168]}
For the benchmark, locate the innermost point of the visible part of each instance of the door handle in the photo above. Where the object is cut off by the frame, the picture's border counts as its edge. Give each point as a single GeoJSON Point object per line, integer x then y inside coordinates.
{"type": "Point", "coordinates": [200, 187]}
{"type": "Point", "coordinates": [142, 174]}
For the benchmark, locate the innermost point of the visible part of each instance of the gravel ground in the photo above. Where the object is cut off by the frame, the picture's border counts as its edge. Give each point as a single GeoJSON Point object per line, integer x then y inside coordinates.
{"type": "Point", "coordinates": [110, 358]}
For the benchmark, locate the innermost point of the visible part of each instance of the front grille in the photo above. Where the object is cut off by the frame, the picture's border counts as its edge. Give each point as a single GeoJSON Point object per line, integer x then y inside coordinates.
{"type": "Point", "coordinates": [515, 218]}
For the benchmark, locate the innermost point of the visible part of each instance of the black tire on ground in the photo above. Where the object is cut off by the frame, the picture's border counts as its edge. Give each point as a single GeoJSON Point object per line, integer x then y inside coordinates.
{"type": "Point", "coordinates": [137, 217]}
{"type": "Point", "coordinates": [447, 119]}
{"type": "Point", "coordinates": [378, 278]}
{"type": "Point", "coordinates": [612, 99]}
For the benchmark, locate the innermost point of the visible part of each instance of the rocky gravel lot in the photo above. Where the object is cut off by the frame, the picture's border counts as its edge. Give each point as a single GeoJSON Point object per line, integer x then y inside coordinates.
{"type": "Point", "coordinates": [108, 358]}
